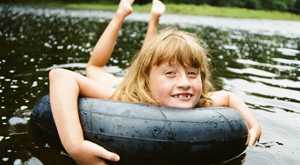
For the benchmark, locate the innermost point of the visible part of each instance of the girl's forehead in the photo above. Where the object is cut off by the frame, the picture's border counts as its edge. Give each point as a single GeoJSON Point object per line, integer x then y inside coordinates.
{"type": "Point", "coordinates": [169, 64]}
{"type": "Point", "coordinates": [166, 64]}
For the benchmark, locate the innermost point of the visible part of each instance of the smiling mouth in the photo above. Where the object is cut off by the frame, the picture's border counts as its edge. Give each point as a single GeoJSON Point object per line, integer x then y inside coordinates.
{"type": "Point", "coordinates": [182, 96]}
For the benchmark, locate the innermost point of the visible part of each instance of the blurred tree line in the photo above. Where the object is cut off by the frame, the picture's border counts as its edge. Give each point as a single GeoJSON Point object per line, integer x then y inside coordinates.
{"type": "Point", "coordinates": [281, 5]}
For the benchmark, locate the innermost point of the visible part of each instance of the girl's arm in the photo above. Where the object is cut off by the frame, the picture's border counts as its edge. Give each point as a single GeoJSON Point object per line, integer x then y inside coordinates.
{"type": "Point", "coordinates": [158, 8]}
{"type": "Point", "coordinates": [65, 87]}
{"type": "Point", "coordinates": [224, 98]}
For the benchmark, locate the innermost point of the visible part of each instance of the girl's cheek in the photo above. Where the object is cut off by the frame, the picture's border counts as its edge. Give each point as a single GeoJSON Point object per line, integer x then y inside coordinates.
{"type": "Point", "coordinates": [198, 84]}
{"type": "Point", "coordinates": [165, 86]}
{"type": "Point", "coordinates": [167, 83]}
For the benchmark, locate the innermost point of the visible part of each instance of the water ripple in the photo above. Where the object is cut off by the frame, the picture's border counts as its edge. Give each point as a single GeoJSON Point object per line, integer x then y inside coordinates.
{"type": "Point", "coordinates": [252, 71]}
{"type": "Point", "coordinates": [264, 95]}
{"type": "Point", "coordinates": [255, 63]}
{"type": "Point", "coordinates": [284, 83]}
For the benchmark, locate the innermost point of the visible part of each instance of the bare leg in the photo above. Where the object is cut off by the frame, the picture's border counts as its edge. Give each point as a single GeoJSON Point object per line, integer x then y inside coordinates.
{"type": "Point", "coordinates": [105, 45]}
{"type": "Point", "coordinates": [158, 8]}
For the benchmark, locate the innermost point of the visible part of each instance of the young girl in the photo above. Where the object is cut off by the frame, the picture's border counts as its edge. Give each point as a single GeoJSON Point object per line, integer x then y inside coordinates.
{"type": "Point", "coordinates": [170, 70]}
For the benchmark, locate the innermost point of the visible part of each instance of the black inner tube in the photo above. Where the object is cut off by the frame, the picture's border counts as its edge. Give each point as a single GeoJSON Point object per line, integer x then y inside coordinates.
{"type": "Point", "coordinates": [143, 133]}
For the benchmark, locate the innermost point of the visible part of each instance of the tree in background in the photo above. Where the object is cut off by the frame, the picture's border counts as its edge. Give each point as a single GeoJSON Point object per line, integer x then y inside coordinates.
{"type": "Point", "coordinates": [297, 6]}
{"type": "Point", "coordinates": [282, 5]}
{"type": "Point", "coordinates": [252, 4]}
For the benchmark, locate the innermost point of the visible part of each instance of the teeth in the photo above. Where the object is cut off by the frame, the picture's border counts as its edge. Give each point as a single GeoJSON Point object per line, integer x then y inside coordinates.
{"type": "Point", "coordinates": [183, 96]}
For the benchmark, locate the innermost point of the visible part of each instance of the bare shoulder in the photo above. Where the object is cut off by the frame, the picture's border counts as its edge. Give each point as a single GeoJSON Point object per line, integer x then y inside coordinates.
{"type": "Point", "coordinates": [219, 98]}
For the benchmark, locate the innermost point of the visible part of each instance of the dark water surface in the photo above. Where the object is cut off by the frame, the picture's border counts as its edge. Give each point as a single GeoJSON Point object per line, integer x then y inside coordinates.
{"type": "Point", "coordinates": [264, 70]}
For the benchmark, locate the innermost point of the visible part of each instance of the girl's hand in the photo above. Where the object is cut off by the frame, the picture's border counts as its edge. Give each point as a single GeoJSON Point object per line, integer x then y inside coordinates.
{"type": "Point", "coordinates": [125, 8]}
{"type": "Point", "coordinates": [92, 154]}
{"type": "Point", "coordinates": [253, 135]}
{"type": "Point", "coordinates": [158, 8]}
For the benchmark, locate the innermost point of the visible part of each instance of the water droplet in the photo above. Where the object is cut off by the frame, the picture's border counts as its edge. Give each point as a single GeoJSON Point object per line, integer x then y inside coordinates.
{"type": "Point", "coordinates": [23, 107]}
{"type": "Point", "coordinates": [47, 145]}
{"type": "Point", "coordinates": [3, 117]}
{"type": "Point", "coordinates": [34, 84]}
{"type": "Point", "coordinates": [47, 45]}
{"type": "Point", "coordinates": [17, 121]}
{"type": "Point", "coordinates": [288, 52]}
{"type": "Point", "coordinates": [5, 159]}
{"type": "Point", "coordinates": [24, 82]}
{"type": "Point", "coordinates": [18, 162]}
{"type": "Point", "coordinates": [33, 160]}
{"type": "Point", "coordinates": [14, 86]}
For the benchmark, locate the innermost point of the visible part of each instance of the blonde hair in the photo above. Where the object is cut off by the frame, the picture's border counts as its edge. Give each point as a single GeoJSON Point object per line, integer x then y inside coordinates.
{"type": "Point", "coordinates": [170, 45]}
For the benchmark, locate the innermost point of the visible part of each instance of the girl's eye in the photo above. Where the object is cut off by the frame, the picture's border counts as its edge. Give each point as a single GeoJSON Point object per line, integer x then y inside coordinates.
{"type": "Point", "coordinates": [170, 74]}
{"type": "Point", "coordinates": [192, 74]}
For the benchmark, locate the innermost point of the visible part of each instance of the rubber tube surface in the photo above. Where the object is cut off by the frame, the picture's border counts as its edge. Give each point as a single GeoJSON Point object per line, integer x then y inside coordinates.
{"type": "Point", "coordinates": [143, 132]}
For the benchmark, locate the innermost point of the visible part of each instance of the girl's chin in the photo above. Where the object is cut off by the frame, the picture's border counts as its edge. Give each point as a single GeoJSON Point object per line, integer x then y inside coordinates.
{"type": "Point", "coordinates": [181, 105]}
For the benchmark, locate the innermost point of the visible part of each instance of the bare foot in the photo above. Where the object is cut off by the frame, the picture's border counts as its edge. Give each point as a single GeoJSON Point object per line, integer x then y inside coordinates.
{"type": "Point", "coordinates": [158, 8]}
{"type": "Point", "coordinates": [125, 8]}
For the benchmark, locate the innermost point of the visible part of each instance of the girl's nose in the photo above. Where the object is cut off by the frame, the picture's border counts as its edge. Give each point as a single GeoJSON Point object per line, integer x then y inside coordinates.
{"type": "Point", "coordinates": [184, 82]}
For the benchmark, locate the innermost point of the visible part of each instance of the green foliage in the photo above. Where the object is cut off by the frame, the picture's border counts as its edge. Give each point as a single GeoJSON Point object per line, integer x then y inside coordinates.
{"type": "Point", "coordinates": [252, 4]}
{"type": "Point", "coordinates": [297, 6]}
{"type": "Point", "coordinates": [282, 5]}
{"type": "Point", "coordinates": [275, 4]}
{"type": "Point", "coordinates": [279, 5]}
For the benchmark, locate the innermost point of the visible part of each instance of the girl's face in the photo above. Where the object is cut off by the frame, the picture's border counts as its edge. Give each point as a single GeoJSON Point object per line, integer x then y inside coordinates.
{"type": "Point", "coordinates": [173, 85]}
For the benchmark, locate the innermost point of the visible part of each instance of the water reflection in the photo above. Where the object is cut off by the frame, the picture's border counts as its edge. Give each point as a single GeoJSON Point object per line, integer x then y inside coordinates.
{"type": "Point", "coordinates": [262, 70]}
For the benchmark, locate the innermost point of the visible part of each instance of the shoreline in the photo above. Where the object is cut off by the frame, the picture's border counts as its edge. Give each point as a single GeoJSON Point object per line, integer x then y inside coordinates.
{"type": "Point", "coordinates": [257, 26]}
{"type": "Point", "coordinates": [180, 9]}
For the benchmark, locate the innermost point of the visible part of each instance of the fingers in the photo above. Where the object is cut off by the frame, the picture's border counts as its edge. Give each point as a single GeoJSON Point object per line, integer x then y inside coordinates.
{"type": "Point", "coordinates": [253, 136]}
{"type": "Point", "coordinates": [102, 152]}
{"type": "Point", "coordinates": [251, 140]}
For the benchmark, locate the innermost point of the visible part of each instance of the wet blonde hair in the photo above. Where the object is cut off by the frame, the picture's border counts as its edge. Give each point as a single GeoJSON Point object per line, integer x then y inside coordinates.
{"type": "Point", "coordinates": [172, 46]}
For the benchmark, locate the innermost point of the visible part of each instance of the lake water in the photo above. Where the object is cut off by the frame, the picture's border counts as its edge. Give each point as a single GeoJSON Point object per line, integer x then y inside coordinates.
{"type": "Point", "coordinates": [262, 68]}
